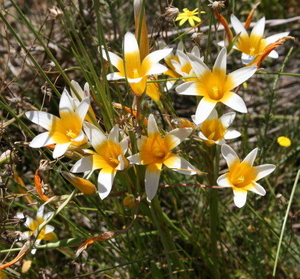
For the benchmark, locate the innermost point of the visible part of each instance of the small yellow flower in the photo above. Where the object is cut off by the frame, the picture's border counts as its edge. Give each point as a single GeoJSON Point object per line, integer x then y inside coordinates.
{"type": "Point", "coordinates": [190, 16]}
{"type": "Point", "coordinates": [284, 141]}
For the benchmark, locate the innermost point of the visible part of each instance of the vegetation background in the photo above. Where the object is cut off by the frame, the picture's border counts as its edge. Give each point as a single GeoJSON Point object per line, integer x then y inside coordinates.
{"type": "Point", "coordinates": [40, 55]}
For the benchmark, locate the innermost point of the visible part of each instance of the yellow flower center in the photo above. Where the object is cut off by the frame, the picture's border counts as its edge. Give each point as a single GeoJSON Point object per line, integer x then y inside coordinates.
{"type": "Point", "coordinates": [253, 45]}
{"type": "Point", "coordinates": [71, 134]}
{"type": "Point", "coordinates": [215, 85]}
{"type": "Point", "coordinates": [213, 130]}
{"type": "Point", "coordinates": [241, 175]}
{"type": "Point", "coordinates": [155, 149]}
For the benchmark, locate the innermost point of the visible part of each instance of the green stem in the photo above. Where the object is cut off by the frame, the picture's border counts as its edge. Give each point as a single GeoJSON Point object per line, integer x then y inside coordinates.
{"type": "Point", "coordinates": [214, 215]}
{"type": "Point", "coordinates": [168, 244]}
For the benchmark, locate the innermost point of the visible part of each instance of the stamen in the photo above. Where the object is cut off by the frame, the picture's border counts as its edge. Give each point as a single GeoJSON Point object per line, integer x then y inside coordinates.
{"type": "Point", "coordinates": [71, 134]}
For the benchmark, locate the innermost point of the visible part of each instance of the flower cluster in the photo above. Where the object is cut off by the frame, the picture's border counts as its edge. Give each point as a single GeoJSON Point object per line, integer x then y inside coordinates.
{"type": "Point", "coordinates": [115, 150]}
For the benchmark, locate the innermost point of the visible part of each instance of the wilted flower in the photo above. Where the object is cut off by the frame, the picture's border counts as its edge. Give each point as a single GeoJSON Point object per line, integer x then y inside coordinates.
{"type": "Point", "coordinates": [155, 151]}
{"type": "Point", "coordinates": [242, 176]}
{"type": "Point", "coordinates": [109, 157]}
{"type": "Point", "coordinates": [215, 85]}
{"type": "Point", "coordinates": [65, 131]}
{"type": "Point", "coordinates": [215, 130]}
{"type": "Point", "coordinates": [45, 234]}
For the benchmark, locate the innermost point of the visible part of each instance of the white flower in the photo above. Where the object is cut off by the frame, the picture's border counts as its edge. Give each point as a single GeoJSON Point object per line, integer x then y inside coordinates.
{"type": "Point", "coordinates": [242, 176]}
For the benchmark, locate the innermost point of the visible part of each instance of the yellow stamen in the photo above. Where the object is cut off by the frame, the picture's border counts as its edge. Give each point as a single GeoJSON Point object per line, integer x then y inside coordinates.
{"type": "Point", "coordinates": [71, 134]}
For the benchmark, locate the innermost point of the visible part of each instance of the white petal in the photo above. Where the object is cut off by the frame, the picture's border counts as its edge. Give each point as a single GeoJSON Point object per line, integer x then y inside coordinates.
{"type": "Point", "coordinates": [114, 134]}
{"type": "Point", "coordinates": [41, 118]}
{"type": "Point", "coordinates": [122, 163]}
{"type": "Point", "coordinates": [114, 76]}
{"type": "Point", "coordinates": [40, 212]}
{"type": "Point", "coordinates": [66, 103]}
{"type": "Point", "coordinates": [223, 181]}
{"type": "Point", "coordinates": [95, 136]}
{"type": "Point", "coordinates": [196, 51]}
{"type": "Point", "coordinates": [83, 107]}
{"type": "Point", "coordinates": [231, 134]}
{"type": "Point", "coordinates": [60, 149]}
{"type": "Point", "coordinates": [183, 58]}
{"type": "Point", "coordinates": [202, 136]}
{"type": "Point", "coordinates": [242, 74]}
{"type": "Point", "coordinates": [221, 44]}
{"type": "Point", "coordinates": [124, 145]}
{"type": "Point", "coordinates": [187, 88]}
{"type": "Point", "coordinates": [130, 43]}
{"type": "Point", "coordinates": [272, 39]}
{"type": "Point", "coordinates": [264, 170]}
{"type": "Point", "coordinates": [203, 110]}
{"type": "Point", "coordinates": [221, 61]}
{"type": "Point", "coordinates": [114, 59]}
{"type": "Point", "coordinates": [152, 126]}
{"type": "Point", "coordinates": [41, 140]}
{"type": "Point", "coordinates": [80, 137]}
{"type": "Point", "coordinates": [229, 155]}
{"type": "Point", "coordinates": [237, 25]}
{"type": "Point", "coordinates": [178, 135]}
{"type": "Point", "coordinates": [180, 165]}
{"type": "Point", "coordinates": [227, 119]}
{"type": "Point", "coordinates": [240, 198]}
{"type": "Point", "coordinates": [151, 181]}
{"type": "Point", "coordinates": [257, 189]}
{"type": "Point", "coordinates": [105, 181]}
{"type": "Point", "coordinates": [156, 69]}
{"type": "Point", "coordinates": [273, 54]}
{"type": "Point", "coordinates": [213, 115]}
{"type": "Point", "coordinates": [83, 165]}
{"type": "Point", "coordinates": [199, 67]}
{"type": "Point", "coordinates": [250, 158]}
{"type": "Point", "coordinates": [47, 215]}
{"type": "Point", "coordinates": [259, 27]}
{"type": "Point", "coordinates": [236, 103]}
{"type": "Point", "coordinates": [20, 215]}
{"type": "Point", "coordinates": [135, 159]}
{"type": "Point", "coordinates": [78, 89]}
{"type": "Point", "coordinates": [246, 58]}
{"type": "Point", "coordinates": [49, 229]}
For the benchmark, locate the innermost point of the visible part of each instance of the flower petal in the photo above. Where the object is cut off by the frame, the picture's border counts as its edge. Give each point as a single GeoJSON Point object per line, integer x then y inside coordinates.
{"type": "Point", "coordinates": [246, 58]}
{"type": "Point", "coordinates": [237, 25]}
{"type": "Point", "coordinates": [41, 140]}
{"type": "Point", "coordinates": [263, 170]}
{"type": "Point", "coordinates": [227, 118]}
{"type": "Point", "coordinates": [41, 118]}
{"type": "Point", "coordinates": [82, 165]}
{"type": "Point", "coordinates": [241, 75]}
{"type": "Point", "coordinates": [135, 159]}
{"type": "Point", "coordinates": [150, 64]}
{"type": "Point", "coordinates": [221, 61]}
{"type": "Point", "coordinates": [83, 107]}
{"type": "Point", "coordinates": [95, 136]}
{"type": "Point", "coordinates": [105, 181]}
{"type": "Point", "coordinates": [250, 158]}
{"type": "Point", "coordinates": [152, 126]}
{"type": "Point", "coordinates": [115, 76]}
{"type": "Point", "coordinates": [114, 59]}
{"type": "Point", "coordinates": [229, 155]}
{"type": "Point", "coordinates": [272, 39]}
{"type": "Point", "coordinates": [236, 103]}
{"type": "Point", "coordinates": [60, 149]}
{"type": "Point", "coordinates": [240, 198]}
{"type": "Point", "coordinates": [187, 88]}
{"type": "Point", "coordinates": [223, 181]}
{"type": "Point", "coordinates": [66, 103]}
{"type": "Point", "coordinates": [114, 134]}
{"type": "Point", "coordinates": [152, 180]}
{"type": "Point", "coordinates": [180, 165]}
{"type": "Point", "coordinates": [259, 27]}
{"type": "Point", "coordinates": [176, 136]}
{"type": "Point", "coordinates": [231, 134]}
{"type": "Point", "coordinates": [78, 89]}
{"type": "Point", "coordinates": [273, 54]}
{"type": "Point", "coordinates": [257, 189]}
{"type": "Point", "coordinates": [199, 66]}
{"type": "Point", "coordinates": [203, 110]}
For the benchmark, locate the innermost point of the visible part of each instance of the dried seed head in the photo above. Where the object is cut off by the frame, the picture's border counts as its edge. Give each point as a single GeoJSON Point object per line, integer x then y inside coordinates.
{"type": "Point", "coordinates": [54, 13]}
{"type": "Point", "coordinates": [217, 5]}
{"type": "Point", "coordinates": [171, 13]}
